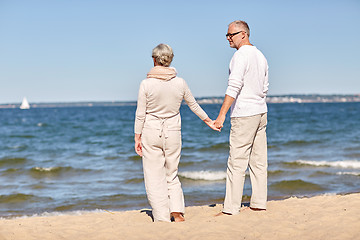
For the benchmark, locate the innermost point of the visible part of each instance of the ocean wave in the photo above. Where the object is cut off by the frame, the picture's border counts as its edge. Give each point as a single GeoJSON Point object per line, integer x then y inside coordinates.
{"type": "Point", "coordinates": [10, 171]}
{"type": "Point", "coordinates": [320, 174]}
{"type": "Point", "coordinates": [204, 175]}
{"type": "Point", "coordinates": [276, 173]}
{"type": "Point", "coordinates": [339, 164]}
{"type": "Point", "coordinates": [20, 147]}
{"type": "Point", "coordinates": [22, 136]}
{"type": "Point", "coordinates": [48, 169]}
{"type": "Point", "coordinates": [112, 158]}
{"type": "Point", "coordinates": [39, 172]}
{"type": "Point", "coordinates": [12, 161]}
{"type": "Point", "coordinates": [357, 148]}
{"type": "Point", "coordinates": [40, 124]}
{"type": "Point", "coordinates": [18, 198]}
{"type": "Point", "coordinates": [352, 155]}
{"type": "Point", "coordinates": [58, 213]}
{"type": "Point", "coordinates": [191, 163]}
{"type": "Point", "coordinates": [301, 142]}
{"type": "Point", "coordinates": [295, 186]}
{"type": "Point", "coordinates": [135, 158]}
{"type": "Point", "coordinates": [187, 148]}
{"type": "Point", "coordinates": [215, 147]}
{"type": "Point", "coordinates": [134, 180]}
{"type": "Point", "coordinates": [349, 173]}
{"type": "Point", "coordinates": [219, 175]}
{"type": "Point", "coordinates": [86, 154]}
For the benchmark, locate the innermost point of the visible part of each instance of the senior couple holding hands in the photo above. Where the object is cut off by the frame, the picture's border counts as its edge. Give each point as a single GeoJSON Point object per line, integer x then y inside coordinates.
{"type": "Point", "coordinates": [158, 127]}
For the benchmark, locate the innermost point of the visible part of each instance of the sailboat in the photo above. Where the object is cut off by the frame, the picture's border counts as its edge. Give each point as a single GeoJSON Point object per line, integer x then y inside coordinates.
{"type": "Point", "coordinates": [25, 104]}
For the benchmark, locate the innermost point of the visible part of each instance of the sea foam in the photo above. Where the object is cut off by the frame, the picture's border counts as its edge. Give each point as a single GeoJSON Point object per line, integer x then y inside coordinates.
{"type": "Point", "coordinates": [204, 175]}
{"type": "Point", "coordinates": [56, 214]}
{"type": "Point", "coordinates": [338, 164]}
{"type": "Point", "coordinates": [46, 169]}
{"type": "Point", "coordinates": [348, 173]}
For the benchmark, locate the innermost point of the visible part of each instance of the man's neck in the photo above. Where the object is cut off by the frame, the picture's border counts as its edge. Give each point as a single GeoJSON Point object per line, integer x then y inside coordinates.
{"type": "Point", "coordinates": [243, 44]}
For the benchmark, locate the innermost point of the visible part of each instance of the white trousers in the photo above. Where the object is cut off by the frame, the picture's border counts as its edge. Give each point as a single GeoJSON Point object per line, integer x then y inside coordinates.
{"type": "Point", "coordinates": [161, 156]}
{"type": "Point", "coordinates": [248, 148]}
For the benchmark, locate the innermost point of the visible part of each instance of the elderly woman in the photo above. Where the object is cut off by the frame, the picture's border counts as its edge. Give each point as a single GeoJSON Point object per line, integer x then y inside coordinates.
{"type": "Point", "coordinates": [158, 134]}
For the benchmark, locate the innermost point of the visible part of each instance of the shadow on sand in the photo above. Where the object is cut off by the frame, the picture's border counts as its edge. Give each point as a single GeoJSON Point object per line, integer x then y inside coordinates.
{"type": "Point", "coordinates": [148, 212]}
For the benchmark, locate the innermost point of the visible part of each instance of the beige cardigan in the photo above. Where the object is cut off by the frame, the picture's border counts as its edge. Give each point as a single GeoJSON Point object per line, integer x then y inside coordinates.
{"type": "Point", "coordinates": [159, 100]}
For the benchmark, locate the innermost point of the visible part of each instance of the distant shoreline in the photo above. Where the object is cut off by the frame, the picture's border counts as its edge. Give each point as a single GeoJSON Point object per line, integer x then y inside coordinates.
{"type": "Point", "coordinates": [293, 98]}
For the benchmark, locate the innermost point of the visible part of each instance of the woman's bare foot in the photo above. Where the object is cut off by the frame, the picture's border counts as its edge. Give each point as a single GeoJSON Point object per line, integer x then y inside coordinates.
{"type": "Point", "coordinates": [178, 216]}
{"type": "Point", "coordinates": [243, 208]}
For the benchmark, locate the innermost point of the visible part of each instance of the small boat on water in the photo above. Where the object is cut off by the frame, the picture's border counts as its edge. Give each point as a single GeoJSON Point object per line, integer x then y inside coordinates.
{"type": "Point", "coordinates": [25, 104]}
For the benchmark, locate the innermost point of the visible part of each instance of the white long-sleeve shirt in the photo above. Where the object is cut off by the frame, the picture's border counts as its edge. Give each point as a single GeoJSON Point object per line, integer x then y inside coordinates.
{"type": "Point", "coordinates": [248, 82]}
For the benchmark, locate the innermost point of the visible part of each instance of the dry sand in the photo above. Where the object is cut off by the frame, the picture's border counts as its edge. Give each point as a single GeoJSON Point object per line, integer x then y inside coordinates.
{"type": "Point", "coordinates": [320, 217]}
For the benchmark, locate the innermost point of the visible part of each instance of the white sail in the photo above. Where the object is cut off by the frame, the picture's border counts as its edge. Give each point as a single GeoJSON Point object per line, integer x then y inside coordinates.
{"type": "Point", "coordinates": [25, 104]}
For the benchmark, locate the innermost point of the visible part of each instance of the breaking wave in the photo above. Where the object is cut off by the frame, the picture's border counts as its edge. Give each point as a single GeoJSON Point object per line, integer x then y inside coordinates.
{"type": "Point", "coordinates": [338, 164]}
{"type": "Point", "coordinates": [204, 175]}
{"type": "Point", "coordinates": [349, 173]}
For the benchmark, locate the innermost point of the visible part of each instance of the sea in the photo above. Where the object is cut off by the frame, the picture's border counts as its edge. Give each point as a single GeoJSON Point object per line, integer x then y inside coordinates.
{"type": "Point", "coordinates": [65, 160]}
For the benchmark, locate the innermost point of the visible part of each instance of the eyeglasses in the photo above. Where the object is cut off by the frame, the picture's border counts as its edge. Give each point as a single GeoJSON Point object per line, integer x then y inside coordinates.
{"type": "Point", "coordinates": [230, 35]}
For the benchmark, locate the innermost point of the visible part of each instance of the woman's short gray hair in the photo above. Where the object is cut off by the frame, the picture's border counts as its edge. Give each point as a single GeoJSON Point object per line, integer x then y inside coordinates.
{"type": "Point", "coordinates": [163, 54]}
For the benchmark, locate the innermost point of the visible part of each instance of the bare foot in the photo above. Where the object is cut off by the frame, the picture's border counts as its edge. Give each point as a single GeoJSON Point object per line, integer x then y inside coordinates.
{"type": "Point", "coordinates": [178, 216]}
{"type": "Point", "coordinates": [257, 209]}
{"type": "Point", "coordinates": [222, 214]}
{"type": "Point", "coordinates": [244, 209]}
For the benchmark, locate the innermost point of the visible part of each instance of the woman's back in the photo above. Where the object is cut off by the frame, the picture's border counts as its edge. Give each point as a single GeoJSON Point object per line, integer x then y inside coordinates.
{"type": "Point", "coordinates": [160, 97]}
{"type": "Point", "coordinates": [163, 97]}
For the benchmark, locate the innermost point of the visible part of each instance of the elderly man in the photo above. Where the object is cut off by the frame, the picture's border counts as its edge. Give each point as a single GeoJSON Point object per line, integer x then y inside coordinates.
{"type": "Point", "coordinates": [246, 94]}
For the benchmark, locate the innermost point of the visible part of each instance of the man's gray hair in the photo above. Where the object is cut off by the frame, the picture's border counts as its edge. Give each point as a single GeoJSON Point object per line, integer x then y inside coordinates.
{"type": "Point", "coordinates": [242, 25]}
{"type": "Point", "coordinates": [163, 54]}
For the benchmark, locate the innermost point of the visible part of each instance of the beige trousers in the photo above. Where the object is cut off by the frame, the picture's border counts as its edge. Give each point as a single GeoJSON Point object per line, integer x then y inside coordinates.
{"type": "Point", "coordinates": [248, 148]}
{"type": "Point", "coordinates": [161, 156]}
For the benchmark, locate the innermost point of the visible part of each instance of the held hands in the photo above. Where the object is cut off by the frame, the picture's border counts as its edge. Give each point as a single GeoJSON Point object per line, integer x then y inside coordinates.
{"type": "Point", "coordinates": [138, 147]}
{"type": "Point", "coordinates": [219, 122]}
{"type": "Point", "coordinates": [211, 124]}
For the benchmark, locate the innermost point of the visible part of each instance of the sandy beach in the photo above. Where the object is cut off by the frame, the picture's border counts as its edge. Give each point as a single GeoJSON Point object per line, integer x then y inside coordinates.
{"type": "Point", "coordinates": [320, 217]}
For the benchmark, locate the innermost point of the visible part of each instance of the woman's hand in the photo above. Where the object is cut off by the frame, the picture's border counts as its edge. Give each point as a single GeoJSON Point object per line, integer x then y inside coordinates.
{"type": "Point", "coordinates": [211, 124]}
{"type": "Point", "coordinates": [138, 147]}
{"type": "Point", "coordinates": [219, 122]}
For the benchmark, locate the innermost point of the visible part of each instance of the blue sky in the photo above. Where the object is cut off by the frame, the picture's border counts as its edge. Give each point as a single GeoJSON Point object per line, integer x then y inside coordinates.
{"type": "Point", "coordinates": [100, 50]}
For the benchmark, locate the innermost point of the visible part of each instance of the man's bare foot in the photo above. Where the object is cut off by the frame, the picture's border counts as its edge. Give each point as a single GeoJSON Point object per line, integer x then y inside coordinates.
{"type": "Point", "coordinates": [257, 209]}
{"type": "Point", "coordinates": [222, 214]}
{"type": "Point", "coordinates": [178, 216]}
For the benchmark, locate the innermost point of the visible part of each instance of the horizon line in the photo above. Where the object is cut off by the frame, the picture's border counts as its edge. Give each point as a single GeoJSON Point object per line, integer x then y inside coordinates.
{"type": "Point", "coordinates": [197, 98]}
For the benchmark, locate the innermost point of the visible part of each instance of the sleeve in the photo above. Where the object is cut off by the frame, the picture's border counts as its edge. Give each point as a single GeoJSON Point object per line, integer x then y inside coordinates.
{"type": "Point", "coordinates": [140, 110]}
{"type": "Point", "coordinates": [193, 105]}
{"type": "Point", "coordinates": [266, 82]}
{"type": "Point", "coordinates": [238, 66]}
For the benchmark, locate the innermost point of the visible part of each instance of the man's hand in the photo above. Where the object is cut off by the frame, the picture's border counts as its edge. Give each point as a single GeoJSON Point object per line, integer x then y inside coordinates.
{"type": "Point", "coordinates": [138, 147]}
{"type": "Point", "coordinates": [219, 122]}
{"type": "Point", "coordinates": [210, 123]}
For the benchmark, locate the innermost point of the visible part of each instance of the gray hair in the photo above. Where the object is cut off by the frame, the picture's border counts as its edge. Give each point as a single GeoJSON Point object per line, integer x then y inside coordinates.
{"type": "Point", "coordinates": [163, 54]}
{"type": "Point", "coordinates": [242, 25]}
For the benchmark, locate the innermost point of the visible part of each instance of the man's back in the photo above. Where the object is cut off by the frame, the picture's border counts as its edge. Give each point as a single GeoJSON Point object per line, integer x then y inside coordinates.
{"type": "Point", "coordinates": [248, 82]}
